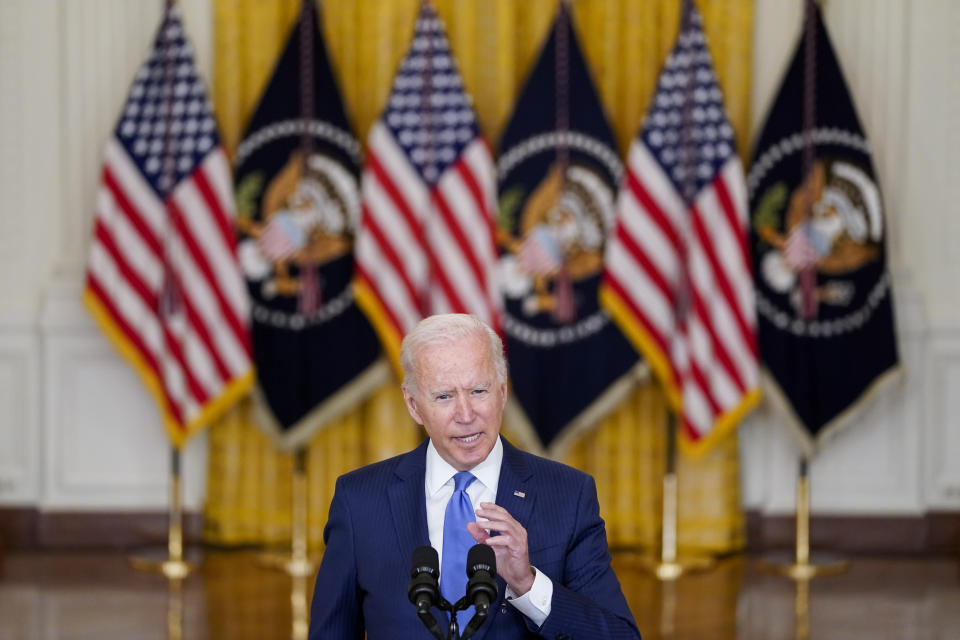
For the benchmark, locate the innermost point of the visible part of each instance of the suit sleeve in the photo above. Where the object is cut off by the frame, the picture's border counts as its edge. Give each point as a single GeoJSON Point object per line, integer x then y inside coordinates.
{"type": "Point", "coordinates": [588, 602]}
{"type": "Point", "coordinates": [336, 611]}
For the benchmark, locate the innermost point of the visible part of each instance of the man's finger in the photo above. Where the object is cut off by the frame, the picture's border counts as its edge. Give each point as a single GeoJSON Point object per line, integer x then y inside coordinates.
{"type": "Point", "coordinates": [477, 531]}
{"type": "Point", "coordinates": [499, 541]}
{"type": "Point", "coordinates": [493, 516]}
{"type": "Point", "coordinates": [490, 507]}
{"type": "Point", "coordinates": [496, 523]}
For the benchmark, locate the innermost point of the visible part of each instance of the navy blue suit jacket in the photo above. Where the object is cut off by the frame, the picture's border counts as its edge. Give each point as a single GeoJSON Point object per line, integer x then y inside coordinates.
{"type": "Point", "coordinates": [378, 516]}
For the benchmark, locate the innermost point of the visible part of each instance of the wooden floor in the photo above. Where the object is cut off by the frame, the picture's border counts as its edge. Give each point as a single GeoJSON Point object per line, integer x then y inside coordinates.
{"type": "Point", "coordinates": [96, 596]}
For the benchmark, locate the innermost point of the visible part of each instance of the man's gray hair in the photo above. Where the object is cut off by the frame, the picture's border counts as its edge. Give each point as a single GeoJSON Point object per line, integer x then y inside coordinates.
{"type": "Point", "coordinates": [445, 329]}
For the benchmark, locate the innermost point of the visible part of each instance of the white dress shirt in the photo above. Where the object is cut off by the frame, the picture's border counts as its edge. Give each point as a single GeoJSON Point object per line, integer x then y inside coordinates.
{"type": "Point", "coordinates": [438, 485]}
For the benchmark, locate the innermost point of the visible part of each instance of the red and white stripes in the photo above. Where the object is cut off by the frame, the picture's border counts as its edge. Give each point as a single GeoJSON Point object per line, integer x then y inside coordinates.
{"type": "Point", "coordinates": [143, 249]}
{"type": "Point", "coordinates": [423, 250]}
{"type": "Point", "coordinates": [681, 277]}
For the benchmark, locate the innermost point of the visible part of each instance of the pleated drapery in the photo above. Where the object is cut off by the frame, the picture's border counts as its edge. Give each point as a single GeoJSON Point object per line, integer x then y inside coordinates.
{"type": "Point", "coordinates": [494, 42]}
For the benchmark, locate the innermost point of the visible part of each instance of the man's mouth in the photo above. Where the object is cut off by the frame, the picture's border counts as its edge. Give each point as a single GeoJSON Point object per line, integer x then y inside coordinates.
{"type": "Point", "coordinates": [468, 439]}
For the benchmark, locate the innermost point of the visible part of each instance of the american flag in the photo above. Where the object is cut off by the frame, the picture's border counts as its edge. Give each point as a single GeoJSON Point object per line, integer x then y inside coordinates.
{"type": "Point", "coordinates": [163, 280]}
{"type": "Point", "coordinates": [426, 239]}
{"type": "Point", "coordinates": [677, 269]}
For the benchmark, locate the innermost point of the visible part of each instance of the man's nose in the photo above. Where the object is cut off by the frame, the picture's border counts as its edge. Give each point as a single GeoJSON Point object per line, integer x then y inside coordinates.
{"type": "Point", "coordinates": [465, 411]}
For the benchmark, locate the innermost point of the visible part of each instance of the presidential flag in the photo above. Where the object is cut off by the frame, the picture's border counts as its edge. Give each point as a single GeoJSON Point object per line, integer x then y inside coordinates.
{"type": "Point", "coordinates": [824, 304]}
{"type": "Point", "coordinates": [162, 280]}
{"type": "Point", "coordinates": [558, 173]}
{"type": "Point", "coordinates": [426, 242]}
{"type": "Point", "coordinates": [677, 269]}
{"type": "Point", "coordinates": [298, 200]}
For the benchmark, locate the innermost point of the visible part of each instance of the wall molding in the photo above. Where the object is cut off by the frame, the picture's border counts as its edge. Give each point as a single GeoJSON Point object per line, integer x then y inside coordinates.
{"type": "Point", "coordinates": [105, 447]}
{"type": "Point", "coordinates": [29, 528]}
{"type": "Point", "coordinates": [936, 532]}
{"type": "Point", "coordinates": [19, 410]}
{"type": "Point", "coordinates": [942, 403]}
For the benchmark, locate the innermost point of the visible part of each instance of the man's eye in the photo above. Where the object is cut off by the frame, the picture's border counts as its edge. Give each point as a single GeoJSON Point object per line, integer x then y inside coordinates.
{"type": "Point", "coordinates": [443, 396]}
{"type": "Point", "coordinates": [479, 392]}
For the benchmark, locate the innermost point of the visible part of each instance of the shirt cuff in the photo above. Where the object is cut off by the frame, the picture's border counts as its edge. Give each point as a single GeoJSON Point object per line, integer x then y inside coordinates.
{"type": "Point", "coordinates": [535, 604]}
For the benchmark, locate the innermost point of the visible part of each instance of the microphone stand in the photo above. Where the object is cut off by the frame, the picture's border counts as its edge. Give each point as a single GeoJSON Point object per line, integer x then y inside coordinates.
{"type": "Point", "coordinates": [453, 629]}
{"type": "Point", "coordinates": [476, 621]}
{"type": "Point", "coordinates": [423, 612]}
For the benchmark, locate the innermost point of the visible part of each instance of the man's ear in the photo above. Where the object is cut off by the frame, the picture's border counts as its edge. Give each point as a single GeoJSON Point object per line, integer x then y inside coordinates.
{"type": "Point", "coordinates": [411, 404]}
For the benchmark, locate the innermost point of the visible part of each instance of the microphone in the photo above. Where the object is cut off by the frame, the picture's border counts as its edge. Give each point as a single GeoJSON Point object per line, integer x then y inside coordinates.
{"type": "Point", "coordinates": [423, 590]}
{"type": "Point", "coordinates": [481, 585]}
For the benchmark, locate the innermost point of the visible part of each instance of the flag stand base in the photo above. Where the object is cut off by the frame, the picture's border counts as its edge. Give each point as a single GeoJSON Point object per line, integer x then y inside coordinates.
{"type": "Point", "coordinates": [173, 566]}
{"type": "Point", "coordinates": [293, 567]}
{"type": "Point", "coordinates": [172, 569]}
{"type": "Point", "coordinates": [296, 564]}
{"type": "Point", "coordinates": [802, 566]}
{"type": "Point", "coordinates": [668, 566]}
{"type": "Point", "coordinates": [668, 571]}
{"type": "Point", "coordinates": [817, 566]}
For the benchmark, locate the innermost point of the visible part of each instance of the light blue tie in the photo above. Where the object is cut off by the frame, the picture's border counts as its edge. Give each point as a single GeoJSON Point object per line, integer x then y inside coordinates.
{"type": "Point", "coordinates": [456, 542]}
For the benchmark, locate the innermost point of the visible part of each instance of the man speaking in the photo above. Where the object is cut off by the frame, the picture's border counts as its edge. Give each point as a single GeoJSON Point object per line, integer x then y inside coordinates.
{"type": "Point", "coordinates": [466, 485]}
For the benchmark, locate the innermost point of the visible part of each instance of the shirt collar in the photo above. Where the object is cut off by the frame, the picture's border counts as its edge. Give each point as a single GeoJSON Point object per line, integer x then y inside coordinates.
{"type": "Point", "coordinates": [439, 471]}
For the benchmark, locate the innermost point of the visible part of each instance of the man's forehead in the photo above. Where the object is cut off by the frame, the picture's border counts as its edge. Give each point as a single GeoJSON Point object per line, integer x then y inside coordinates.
{"type": "Point", "coordinates": [457, 375]}
{"type": "Point", "coordinates": [466, 350]}
{"type": "Point", "coordinates": [456, 364]}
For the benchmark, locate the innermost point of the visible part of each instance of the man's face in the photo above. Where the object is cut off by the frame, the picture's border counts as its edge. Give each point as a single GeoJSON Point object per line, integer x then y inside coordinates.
{"type": "Point", "coordinates": [458, 400]}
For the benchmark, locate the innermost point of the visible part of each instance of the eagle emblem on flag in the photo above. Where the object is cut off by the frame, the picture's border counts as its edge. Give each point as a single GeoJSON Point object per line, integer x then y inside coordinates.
{"type": "Point", "coordinates": [560, 232]}
{"type": "Point", "coordinates": [832, 224]}
{"type": "Point", "coordinates": [306, 219]}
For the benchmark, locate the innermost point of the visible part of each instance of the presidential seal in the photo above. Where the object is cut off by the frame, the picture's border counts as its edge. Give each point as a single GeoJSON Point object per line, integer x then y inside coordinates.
{"type": "Point", "coordinates": [307, 218]}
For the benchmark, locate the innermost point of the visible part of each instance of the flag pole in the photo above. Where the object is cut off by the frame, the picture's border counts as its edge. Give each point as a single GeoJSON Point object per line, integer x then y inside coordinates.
{"type": "Point", "coordinates": [805, 566]}
{"type": "Point", "coordinates": [174, 567]}
{"type": "Point", "coordinates": [670, 566]}
{"type": "Point", "coordinates": [297, 563]}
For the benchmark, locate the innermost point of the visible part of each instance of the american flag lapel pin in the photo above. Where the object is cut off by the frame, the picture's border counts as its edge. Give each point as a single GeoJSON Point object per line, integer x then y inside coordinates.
{"type": "Point", "coordinates": [520, 494]}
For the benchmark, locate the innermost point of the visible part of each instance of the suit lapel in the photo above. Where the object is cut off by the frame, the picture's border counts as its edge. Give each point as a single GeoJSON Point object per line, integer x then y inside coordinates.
{"type": "Point", "coordinates": [408, 502]}
{"type": "Point", "coordinates": [515, 495]}
{"type": "Point", "coordinates": [513, 491]}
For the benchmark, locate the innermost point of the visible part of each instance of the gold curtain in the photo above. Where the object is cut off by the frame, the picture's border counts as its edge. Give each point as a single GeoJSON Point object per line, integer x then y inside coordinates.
{"type": "Point", "coordinates": [494, 42]}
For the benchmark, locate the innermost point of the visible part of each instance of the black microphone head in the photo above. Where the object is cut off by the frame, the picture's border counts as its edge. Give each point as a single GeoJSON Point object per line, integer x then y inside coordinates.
{"type": "Point", "coordinates": [425, 560]}
{"type": "Point", "coordinates": [481, 557]}
{"type": "Point", "coordinates": [481, 585]}
{"type": "Point", "coordinates": [423, 590]}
